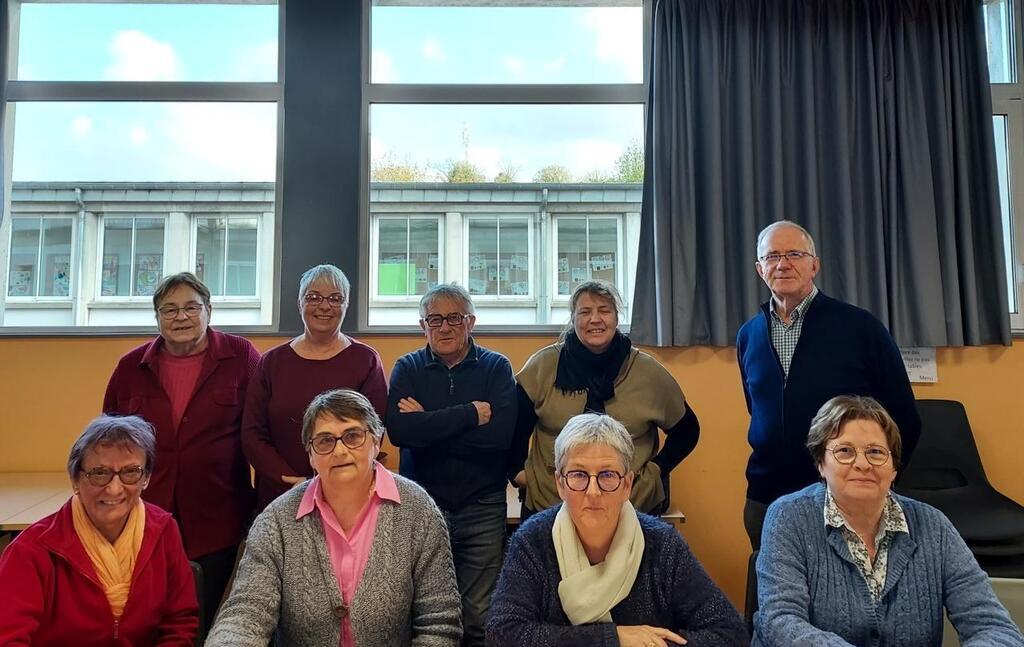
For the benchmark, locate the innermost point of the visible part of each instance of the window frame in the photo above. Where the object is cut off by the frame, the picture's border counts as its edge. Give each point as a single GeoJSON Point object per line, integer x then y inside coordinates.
{"type": "Point", "coordinates": [98, 298]}
{"type": "Point", "coordinates": [530, 298]}
{"type": "Point", "coordinates": [485, 94]}
{"type": "Point", "coordinates": [36, 298]}
{"type": "Point", "coordinates": [409, 300]}
{"type": "Point", "coordinates": [194, 218]}
{"type": "Point", "coordinates": [562, 300]}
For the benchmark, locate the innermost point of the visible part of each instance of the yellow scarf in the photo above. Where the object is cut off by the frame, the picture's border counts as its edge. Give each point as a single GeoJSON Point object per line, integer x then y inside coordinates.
{"type": "Point", "coordinates": [115, 563]}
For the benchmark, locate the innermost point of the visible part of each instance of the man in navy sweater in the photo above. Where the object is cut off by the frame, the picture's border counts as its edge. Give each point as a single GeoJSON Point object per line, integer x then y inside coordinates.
{"type": "Point", "coordinates": [799, 351]}
{"type": "Point", "coordinates": [452, 410]}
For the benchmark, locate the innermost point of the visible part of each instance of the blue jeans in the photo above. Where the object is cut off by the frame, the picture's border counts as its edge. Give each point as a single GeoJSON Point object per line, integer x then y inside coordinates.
{"type": "Point", "coordinates": [477, 533]}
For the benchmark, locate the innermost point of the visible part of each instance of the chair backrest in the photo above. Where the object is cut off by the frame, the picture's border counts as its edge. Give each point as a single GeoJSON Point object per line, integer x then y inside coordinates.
{"type": "Point", "coordinates": [946, 456]}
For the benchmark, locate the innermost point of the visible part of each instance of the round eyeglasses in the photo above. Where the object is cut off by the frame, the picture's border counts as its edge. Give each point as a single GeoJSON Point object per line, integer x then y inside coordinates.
{"type": "Point", "coordinates": [191, 311]}
{"type": "Point", "coordinates": [324, 444]}
{"type": "Point", "coordinates": [792, 256]}
{"type": "Point", "coordinates": [453, 319]}
{"type": "Point", "coordinates": [847, 454]}
{"type": "Point", "coordinates": [102, 476]}
{"type": "Point", "coordinates": [579, 480]}
{"type": "Point", "coordinates": [315, 299]}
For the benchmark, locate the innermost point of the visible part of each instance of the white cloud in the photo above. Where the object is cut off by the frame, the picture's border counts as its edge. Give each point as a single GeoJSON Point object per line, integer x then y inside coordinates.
{"type": "Point", "coordinates": [486, 158]}
{"type": "Point", "coordinates": [139, 57]}
{"type": "Point", "coordinates": [432, 51]}
{"type": "Point", "coordinates": [554, 66]}
{"type": "Point", "coordinates": [515, 66]}
{"type": "Point", "coordinates": [378, 149]}
{"type": "Point", "coordinates": [221, 142]}
{"type": "Point", "coordinates": [138, 135]}
{"type": "Point", "coordinates": [590, 154]}
{"type": "Point", "coordinates": [81, 126]}
{"type": "Point", "coordinates": [618, 35]}
{"type": "Point", "coordinates": [383, 68]}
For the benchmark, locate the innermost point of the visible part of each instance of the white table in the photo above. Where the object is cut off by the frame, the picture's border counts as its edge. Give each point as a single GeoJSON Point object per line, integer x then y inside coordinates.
{"type": "Point", "coordinates": [27, 497]}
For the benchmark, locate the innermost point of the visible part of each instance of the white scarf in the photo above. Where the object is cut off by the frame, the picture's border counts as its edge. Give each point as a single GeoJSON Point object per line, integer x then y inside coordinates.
{"type": "Point", "coordinates": [589, 592]}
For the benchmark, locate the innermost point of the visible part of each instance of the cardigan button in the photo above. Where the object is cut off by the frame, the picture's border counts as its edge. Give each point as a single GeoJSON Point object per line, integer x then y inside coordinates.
{"type": "Point", "coordinates": [341, 612]}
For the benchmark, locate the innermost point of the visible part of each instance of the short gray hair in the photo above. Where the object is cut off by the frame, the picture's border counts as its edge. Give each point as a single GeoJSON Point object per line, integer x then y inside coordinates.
{"type": "Point", "coordinates": [829, 421]}
{"type": "Point", "coordinates": [595, 288]}
{"type": "Point", "coordinates": [327, 272]}
{"type": "Point", "coordinates": [780, 224]}
{"type": "Point", "coordinates": [342, 403]}
{"type": "Point", "coordinates": [452, 291]}
{"type": "Point", "coordinates": [593, 429]}
{"type": "Point", "coordinates": [121, 431]}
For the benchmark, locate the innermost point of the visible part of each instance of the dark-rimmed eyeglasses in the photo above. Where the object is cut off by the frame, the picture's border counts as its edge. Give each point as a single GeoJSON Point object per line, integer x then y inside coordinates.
{"type": "Point", "coordinates": [579, 480]}
{"type": "Point", "coordinates": [191, 311]}
{"type": "Point", "coordinates": [102, 476]}
{"type": "Point", "coordinates": [847, 454]}
{"type": "Point", "coordinates": [791, 256]}
{"type": "Point", "coordinates": [315, 298]}
{"type": "Point", "coordinates": [324, 444]}
{"type": "Point", "coordinates": [453, 319]}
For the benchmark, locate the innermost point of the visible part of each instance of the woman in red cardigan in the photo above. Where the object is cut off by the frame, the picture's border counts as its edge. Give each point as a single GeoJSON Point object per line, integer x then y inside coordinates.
{"type": "Point", "coordinates": [105, 569]}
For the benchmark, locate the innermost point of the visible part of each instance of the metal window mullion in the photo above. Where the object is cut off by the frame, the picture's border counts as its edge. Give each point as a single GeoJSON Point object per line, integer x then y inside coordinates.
{"type": "Point", "coordinates": [452, 93]}
{"type": "Point", "coordinates": [183, 91]}
{"type": "Point", "coordinates": [408, 252]}
{"type": "Point", "coordinates": [131, 263]}
{"type": "Point", "coordinates": [39, 260]}
{"type": "Point", "coordinates": [587, 257]}
{"type": "Point", "coordinates": [224, 274]}
{"type": "Point", "coordinates": [497, 255]}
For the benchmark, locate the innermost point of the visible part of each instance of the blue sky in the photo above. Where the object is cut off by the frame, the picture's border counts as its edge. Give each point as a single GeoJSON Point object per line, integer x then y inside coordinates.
{"type": "Point", "coordinates": [202, 142]}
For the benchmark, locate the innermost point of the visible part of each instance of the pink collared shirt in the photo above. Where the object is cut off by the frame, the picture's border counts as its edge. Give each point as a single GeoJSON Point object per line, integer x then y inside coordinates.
{"type": "Point", "coordinates": [350, 552]}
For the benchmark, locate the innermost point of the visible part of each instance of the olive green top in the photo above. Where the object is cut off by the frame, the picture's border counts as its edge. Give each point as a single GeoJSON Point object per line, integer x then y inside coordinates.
{"type": "Point", "coordinates": [646, 397]}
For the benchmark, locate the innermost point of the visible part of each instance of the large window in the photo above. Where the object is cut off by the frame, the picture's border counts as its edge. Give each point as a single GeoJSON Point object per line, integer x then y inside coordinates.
{"type": "Point", "coordinates": [524, 141]}
{"type": "Point", "coordinates": [1003, 30]}
{"type": "Point", "coordinates": [408, 256]}
{"type": "Point", "coordinates": [155, 124]}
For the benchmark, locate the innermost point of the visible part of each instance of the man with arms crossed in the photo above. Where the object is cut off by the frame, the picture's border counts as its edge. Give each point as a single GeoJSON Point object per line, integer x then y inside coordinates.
{"type": "Point", "coordinates": [452, 410]}
{"type": "Point", "coordinates": [799, 351]}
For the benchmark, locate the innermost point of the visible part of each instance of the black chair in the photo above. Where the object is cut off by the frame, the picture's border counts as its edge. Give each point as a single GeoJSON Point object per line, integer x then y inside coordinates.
{"type": "Point", "coordinates": [197, 575]}
{"type": "Point", "coordinates": [946, 472]}
{"type": "Point", "coordinates": [750, 604]}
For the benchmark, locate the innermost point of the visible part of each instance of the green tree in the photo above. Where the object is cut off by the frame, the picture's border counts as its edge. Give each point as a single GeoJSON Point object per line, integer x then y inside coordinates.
{"type": "Point", "coordinates": [553, 174]}
{"type": "Point", "coordinates": [391, 169]}
{"type": "Point", "coordinates": [461, 172]}
{"type": "Point", "coordinates": [507, 174]}
{"type": "Point", "coordinates": [629, 166]}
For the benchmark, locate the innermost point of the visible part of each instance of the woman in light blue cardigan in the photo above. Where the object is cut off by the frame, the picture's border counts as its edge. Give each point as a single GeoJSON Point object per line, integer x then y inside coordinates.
{"type": "Point", "coordinates": [849, 562]}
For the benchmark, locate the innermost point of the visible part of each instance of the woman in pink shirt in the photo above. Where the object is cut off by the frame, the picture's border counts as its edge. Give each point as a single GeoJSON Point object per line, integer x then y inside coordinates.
{"type": "Point", "coordinates": [290, 375]}
{"type": "Point", "coordinates": [355, 556]}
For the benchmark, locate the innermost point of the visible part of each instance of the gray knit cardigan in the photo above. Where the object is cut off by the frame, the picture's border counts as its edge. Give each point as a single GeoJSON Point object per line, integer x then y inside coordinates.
{"type": "Point", "coordinates": [285, 585]}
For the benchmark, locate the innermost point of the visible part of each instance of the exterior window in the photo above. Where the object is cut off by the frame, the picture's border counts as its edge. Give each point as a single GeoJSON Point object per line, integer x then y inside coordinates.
{"type": "Point", "coordinates": [133, 256]}
{"type": "Point", "coordinates": [499, 257]}
{"type": "Point", "coordinates": [226, 255]}
{"type": "Point", "coordinates": [408, 257]}
{"type": "Point", "coordinates": [40, 260]}
{"type": "Point", "coordinates": [587, 248]}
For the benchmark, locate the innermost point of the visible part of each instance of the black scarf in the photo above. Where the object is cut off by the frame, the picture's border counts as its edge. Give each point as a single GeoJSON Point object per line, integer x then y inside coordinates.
{"type": "Point", "coordinates": [580, 369]}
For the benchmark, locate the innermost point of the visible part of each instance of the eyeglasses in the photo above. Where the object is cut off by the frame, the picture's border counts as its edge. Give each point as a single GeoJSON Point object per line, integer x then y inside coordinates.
{"type": "Point", "coordinates": [579, 480]}
{"type": "Point", "coordinates": [791, 256]}
{"type": "Point", "coordinates": [847, 454]}
{"type": "Point", "coordinates": [102, 476]}
{"type": "Point", "coordinates": [453, 319]}
{"type": "Point", "coordinates": [315, 298]}
{"type": "Point", "coordinates": [191, 310]}
{"type": "Point", "coordinates": [324, 444]}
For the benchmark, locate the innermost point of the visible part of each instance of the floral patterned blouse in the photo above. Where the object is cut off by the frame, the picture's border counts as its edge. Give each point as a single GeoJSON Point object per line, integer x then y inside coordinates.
{"type": "Point", "coordinates": [893, 521]}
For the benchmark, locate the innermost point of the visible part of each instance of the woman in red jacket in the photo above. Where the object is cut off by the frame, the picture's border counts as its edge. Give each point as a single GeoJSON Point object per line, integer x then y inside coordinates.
{"type": "Point", "coordinates": [105, 569]}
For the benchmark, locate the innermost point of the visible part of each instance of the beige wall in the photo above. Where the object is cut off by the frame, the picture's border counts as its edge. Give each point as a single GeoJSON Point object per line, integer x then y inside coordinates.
{"type": "Point", "coordinates": [51, 387]}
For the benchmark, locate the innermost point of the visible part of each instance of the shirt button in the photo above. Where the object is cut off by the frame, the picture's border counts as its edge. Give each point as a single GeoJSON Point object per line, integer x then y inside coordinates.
{"type": "Point", "coordinates": [341, 612]}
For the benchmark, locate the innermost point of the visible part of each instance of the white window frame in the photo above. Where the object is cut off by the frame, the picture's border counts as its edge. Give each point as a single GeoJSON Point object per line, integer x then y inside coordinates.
{"type": "Point", "coordinates": [619, 218]}
{"type": "Point", "coordinates": [194, 219]}
{"type": "Point", "coordinates": [530, 298]}
{"type": "Point", "coordinates": [98, 296]}
{"type": "Point", "coordinates": [412, 299]}
{"type": "Point", "coordinates": [73, 266]}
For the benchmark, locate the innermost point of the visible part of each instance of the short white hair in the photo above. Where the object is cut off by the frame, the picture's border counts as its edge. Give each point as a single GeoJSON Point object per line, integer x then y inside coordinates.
{"type": "Point", "coordinates": [780, 224]}
{"type": "Point", "coordinates": [328, 273]}
{"type": "Point", "coordinates": [451, 291]}
{"type": "Point", "coordinates": [593, 429]}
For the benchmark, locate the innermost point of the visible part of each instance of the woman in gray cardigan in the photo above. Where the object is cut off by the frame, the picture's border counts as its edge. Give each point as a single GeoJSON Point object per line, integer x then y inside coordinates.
{"type": "Point", "coordinates": [356, 556]}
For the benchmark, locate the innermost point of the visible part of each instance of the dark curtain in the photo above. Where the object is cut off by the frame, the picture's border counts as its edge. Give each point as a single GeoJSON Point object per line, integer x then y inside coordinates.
{"type": "Point", "coordinates": [867, 121]}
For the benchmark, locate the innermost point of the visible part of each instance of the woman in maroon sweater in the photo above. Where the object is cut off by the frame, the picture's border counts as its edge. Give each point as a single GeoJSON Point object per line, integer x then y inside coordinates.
{"type": "Point", "coordinates": [290, 375]}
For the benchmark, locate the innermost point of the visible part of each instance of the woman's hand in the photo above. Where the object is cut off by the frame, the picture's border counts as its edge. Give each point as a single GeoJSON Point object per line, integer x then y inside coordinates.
{"type": "Point", "coordinates": [292, 480]}
{"type": "Point", "coordinates": [647, 636]}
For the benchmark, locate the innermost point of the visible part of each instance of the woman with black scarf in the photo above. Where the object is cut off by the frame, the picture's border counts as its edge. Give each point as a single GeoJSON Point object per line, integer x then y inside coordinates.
{"type": "Point", "coordinates": [594, 368]}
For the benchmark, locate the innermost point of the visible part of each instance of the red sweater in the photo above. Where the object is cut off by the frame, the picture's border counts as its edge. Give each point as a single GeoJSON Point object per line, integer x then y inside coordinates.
{"type": "Point", "coordinates": [282, 388]}
{"type": "Point", "coordinates": [200, 474]}
{"type": "Point", "coordinates": [50, 595]}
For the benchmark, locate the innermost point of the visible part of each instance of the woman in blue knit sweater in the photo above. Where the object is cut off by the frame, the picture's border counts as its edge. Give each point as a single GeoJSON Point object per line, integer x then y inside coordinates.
{"type": "Point", "coordinates": [593, 572]}
{"type": "Point", "coordinates": [849, 562]}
